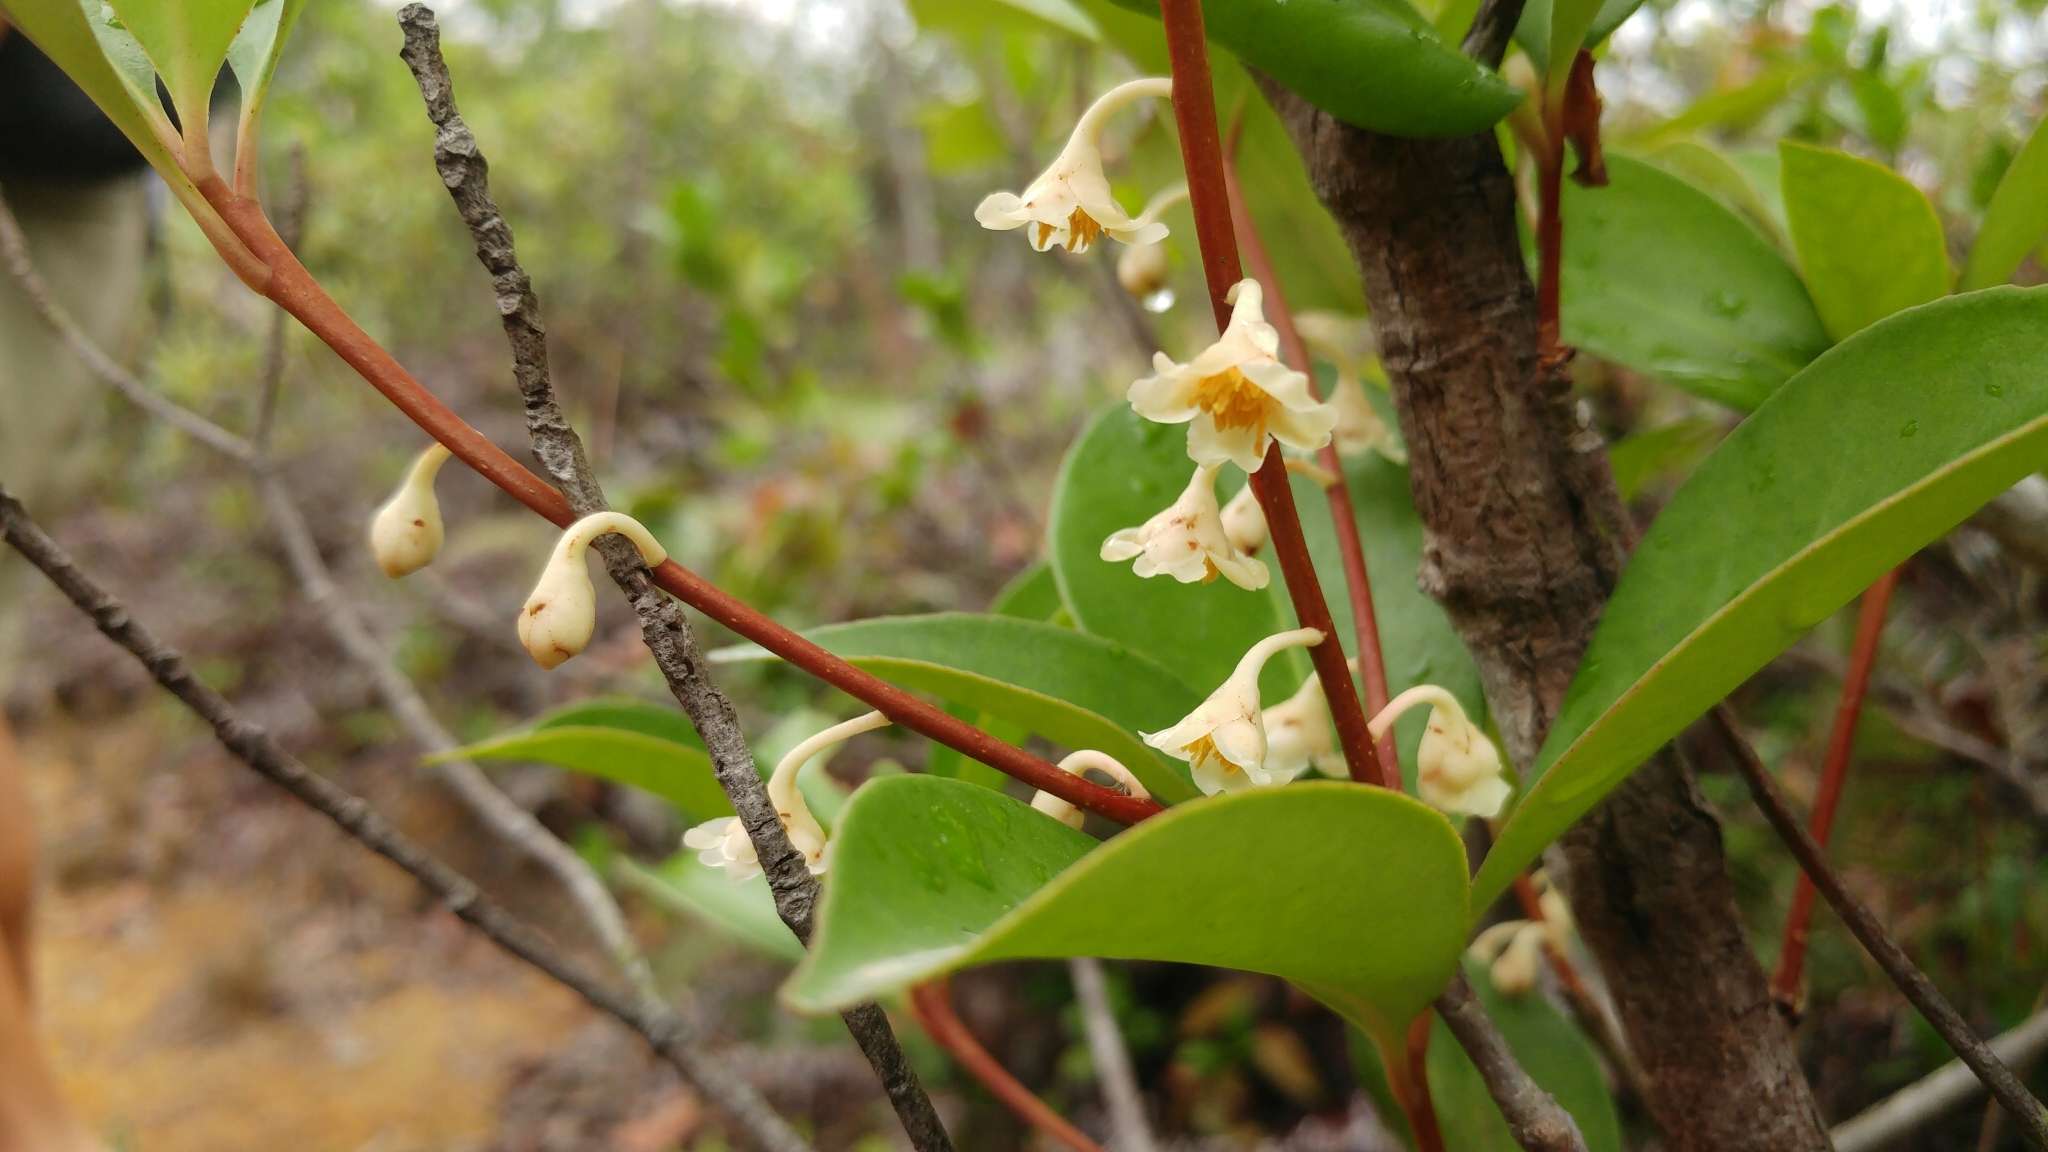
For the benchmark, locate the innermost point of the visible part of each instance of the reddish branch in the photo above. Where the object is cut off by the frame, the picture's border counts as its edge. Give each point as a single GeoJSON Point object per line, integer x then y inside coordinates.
{"type": "Point", "coordinates": [1194, 112]}
{"type": "Point", "coordinates": [1575, 118]}
{"type": "Point", "coordinates": [1790, 975]}
{"type": "Point", "coordinates": [1416, 1102]}
{"type": "Point", "coordinates": [933, 1005]}
{"type": "Point", "coordinates": [293, 288]}
{"type": "Point", "coordinates": [1372, 664]}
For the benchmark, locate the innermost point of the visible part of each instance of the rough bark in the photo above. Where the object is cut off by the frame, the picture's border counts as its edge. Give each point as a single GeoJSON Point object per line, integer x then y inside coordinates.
{"type": "Point", "coordinates": [1524, 538]}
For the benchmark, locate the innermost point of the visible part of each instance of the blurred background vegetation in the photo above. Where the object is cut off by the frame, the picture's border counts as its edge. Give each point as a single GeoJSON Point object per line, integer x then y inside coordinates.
{"type": "Point", "coordinates": [797, 358]}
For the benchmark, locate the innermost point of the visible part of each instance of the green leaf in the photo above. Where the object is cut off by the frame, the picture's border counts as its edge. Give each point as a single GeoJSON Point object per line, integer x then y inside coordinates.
{"type": "Point", "coordinates": [1664, 278]}
{"type": "Point", "coordinates": [661, 721]}
{"type": "Point", "coordinates": [1030, 595]}
{"type": "Point", "coordinates": [1122, 471]}
{"type": "Point", "coordinates": [1553, 31]}
{"type": "Point", "coordinates": [1557, 1056]}
{"type": "Point", "coordinates": [1076, 690]}
{"type": "Point", "coordinates": [678, 773]}
{"type": "Point", "coordinates": [1416, 638]}
{"type": "Point", "coordinates": [743, 910]}
{"type": "Point", "coordinates": [978, 18]}
{"type": "Point", "coordinates": [2016, 221]}
{"type": "Point", "coordinates": [1376, 64]}
{"type": "Point", "coordinates": [70, 38]}
{"type": "Point", "coordinates": [1355, 894]}
{"type": "Point", "coordinates": [1656, 455]}
{"type": "Point", "coordinates": [1868, 241]}
{"type": "Point", "coordinates": [1735, 108]}
{"type": "Point", "coordinates": [1879, 447]}
{"type": "Point", "coordinates": [1730, 180]}
{"type": "Point", "coordinates": [188, 41]}
{"type": "Point", "coordinates": [257, 49]}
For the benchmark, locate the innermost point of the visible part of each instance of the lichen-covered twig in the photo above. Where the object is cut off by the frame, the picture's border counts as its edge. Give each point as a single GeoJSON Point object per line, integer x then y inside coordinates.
{"type": "Point", "coordinates": [668, 634]}
{"type": "Point", "coordinates": [658, 1024]}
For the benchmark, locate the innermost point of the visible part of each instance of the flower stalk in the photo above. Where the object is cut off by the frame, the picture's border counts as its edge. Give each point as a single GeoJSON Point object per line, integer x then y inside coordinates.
{"type": "Point", "coordinates": [1194, 113]}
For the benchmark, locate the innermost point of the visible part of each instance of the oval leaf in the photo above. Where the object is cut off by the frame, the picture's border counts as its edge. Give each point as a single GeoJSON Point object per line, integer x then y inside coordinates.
{"type": "Point", "coordinates": [1664, 278]}
{"type": "Point", "coordinates": [1373, 63]}
{"type": "Point", "coordinates": [257, 49]}
{"type": "Point", "coordinates": [187, 40]}
{"type": "Point", "coordinates": [678, 773]}
{"type": "Point", "coordinates": [743, 909]}
{"type": "Point", "coordinates": [1076, 690]}
{"type": "Point", "coordinates": [1868, 241]}
{"type": "Point", "coordinates": [1882, 445]}
{"type": "Point", "coordinates": [2017, 219]}
{"type": "Point", "coordinates": [1355, 894]}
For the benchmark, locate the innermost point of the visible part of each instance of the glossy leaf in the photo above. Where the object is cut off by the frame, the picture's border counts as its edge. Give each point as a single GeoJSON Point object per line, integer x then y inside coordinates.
{"type": "Point", "coordinates": [1355, 894]}
{"type": "Point", "coordinates": [257, 49]}
{"type": "Point", "coordinates": [741, 909]}
{"type": "Point", "coordinates": [188, 41]}
{"type": "Point", "coordinates": [1553, 1050]}
{"type": "Point", "coordinates": [2016, 221]}
{"type": "Point", "coordinates": [1416, 637]}
{"type": "Point", "coordinates": [1882, 445]}
{"type": "Point", "coordinates": [1030, 595]}
{"type": "Point", "coordinates": [1664, 278]}
{"type": "Point", "coordinates": [661, 721]}
{"type": "Point", "coordinates": [1076, 690]}
{"type": "Point", "coordinates": [1121, 471]}
{"type": "Point", "coordinates": [66, 34]}
{"type": "Point", "coordinates": [1376, 64]}
{"type": "Point", "coordinates": [1657, 455]}
{"type": "Point", "coordinates": [1569, 24]}
{"type": "Point", "coordinates": [678, 773]}
{"type": "Point", "coordinates": [1868, 241]}
{"type": "Point", "coordinates": [1730, 180]}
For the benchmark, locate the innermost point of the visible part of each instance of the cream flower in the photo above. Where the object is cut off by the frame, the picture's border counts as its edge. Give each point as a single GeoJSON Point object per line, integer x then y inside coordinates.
{"type": "Point", "coordinates": [1235, 395]}
{"type": "Point", "coordinates": [1070, 205]}
{"type": "Point", "coordinates": [1458, 770]}
{"type": "Point", "coordinates": [1346, 343]}
{"type": "Point", "coordinates": [1224, 740]}
{"type": "Point", "coordinates": [1078, 764]}
{"type": "Point", "coordinates": [1299, 735]}
{"type": "Point", "coordinates": [1187, 541]}
{"type": "Point", "coordinates": [1244, 522]}
{"type": "Point", "coordinates": [723, 843]}
{"type": "Point", "coordinates": [1514, 951]}
{"type": "Point", "coordinates": [560, 614]}
{"type": "Point", "coordinates": [1143, 269]}
{"type": "Point", "coordinates": [406, 533]}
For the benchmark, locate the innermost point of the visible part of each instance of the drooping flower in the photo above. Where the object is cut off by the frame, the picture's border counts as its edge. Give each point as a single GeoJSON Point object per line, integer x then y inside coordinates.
{"type": "Point", "coordinates": [1236, 396]}
{"type": "Point", "coordinates": [1187, 541]}
{"type": "Point", "coordinates": [1346, 342]}
{"type": "Point", "coordinates": [560, 614]}
{"type": "Point", "coordinates": [1224, 739]}
{"type": "Point", "coordinates": [1244, 522]}
{"type": "Point", "coordinates": [1070, 204]}
{"type": "Point", "coordinates": [406, 533]}
{"type": "Point", "coordinates": [1513, 950]}
{"type": "Point", "coordinates": [1143, 269]}
{"type": "Point", "coordinates": [1079, 764]}
{"type": "Point", "coordinates": [723, 843]}
{"type": "Point", "coordinates": [1299, 735]}
{"type": "Point", "coordinates": [1458, 770]}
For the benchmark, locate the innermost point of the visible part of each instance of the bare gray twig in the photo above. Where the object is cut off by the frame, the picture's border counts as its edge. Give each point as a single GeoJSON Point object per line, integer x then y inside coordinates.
{"type": "Point", "coordinates": [1942, 1091]}
{"type": "Point", "coordinates": [662, 1028]}
{"type": "Point", "coordinates": [1534, 1118]}
{"type": "Point", "coordinates": [2026, 1111]}
{"type": "Point", "coordinates": [1129, 1131]}
{"type": "Point", "coordinates": [667, 632]}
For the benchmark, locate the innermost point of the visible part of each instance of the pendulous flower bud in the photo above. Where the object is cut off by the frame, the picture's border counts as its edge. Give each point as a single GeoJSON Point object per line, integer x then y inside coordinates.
{"type": "Point", "coordinates": [1458, 770]}
{"type": "Point", "coordinates": [406, 533]}
{"type": "Point", "coordinates": [561, 613]}
{"type": "Point", "coordinates": [1080, 764]}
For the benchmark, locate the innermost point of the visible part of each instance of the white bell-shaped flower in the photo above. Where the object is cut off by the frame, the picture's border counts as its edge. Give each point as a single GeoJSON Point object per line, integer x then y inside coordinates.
{"type": "Point", "coordinates": [1244, 522]}
{"type": "Point", "coordinates": [1458, 770]}
{"type": "Point", "coordinates": [406, 533]}
{"type": "Point", "coordinates": [1080, 764]}
{"type": "Point", "coordinates": [1513, 950]}
{"type": "Point", "coordinates": [1070, 204]}
{"type": "Point", "coordinates": [1187, 541]}
{"type": "Point", "coordinates": [1299, 735]}
{"type": "Point", "coordinates": [1346, 343]}
{"type": "Point", "coordinates": [560, 614]}
{"type": "Point", "coordinates": [723, 843]}
{"type": "Point", "coordinates": [1236, 396]}
{"type": "Point", "coordinates": [1224, 740]}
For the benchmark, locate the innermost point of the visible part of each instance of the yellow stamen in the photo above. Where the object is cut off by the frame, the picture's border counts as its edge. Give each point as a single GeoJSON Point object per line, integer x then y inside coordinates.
{"type": "Point", "coordinates": [1082, 230]}
{"type": "Point", "coordinates": [1233, 401]}
{"type": "Point", "coordinates": [1204, 750]}
{"type": "Point", "coordinates": [1044, 233]}
{"type": "Point", "coordinates": [1209, 570]}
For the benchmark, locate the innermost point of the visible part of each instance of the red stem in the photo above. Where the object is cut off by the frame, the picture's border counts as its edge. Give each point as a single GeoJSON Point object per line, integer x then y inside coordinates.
{"type": "Point", "coordinates": [1372, 664]}
{"type": "Point", "coordinates": [294, 289]}
{"type": "Point", "coordinates": [1786, 981]}
{"type": "Point", "coordinates": [1568, 976]}
{"type": "Point", "coordinates": [1549, 241]}
{"type": "Point", "coordinates": [1194, 112]}
{"type": "Point", "coordinates": [1414, 1098]}
{"type": "Point", "coordinates": [933, 1006]}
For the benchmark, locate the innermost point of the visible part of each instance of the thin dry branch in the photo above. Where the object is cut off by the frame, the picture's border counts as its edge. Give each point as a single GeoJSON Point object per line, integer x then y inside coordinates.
{"type": "Point", "coordinates": [2026, 1111]}
{"type": "Point", "coordinates": [659, 1025]}
{"type": "Point", "coordinates": [663, 626]}
{"type": "Point", "coordinates": [1940, 1092]}
{"type": "Point", "coordinates": [1534, 1118]}
{"type": "Point", "coordinates": [1129, 1131]}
